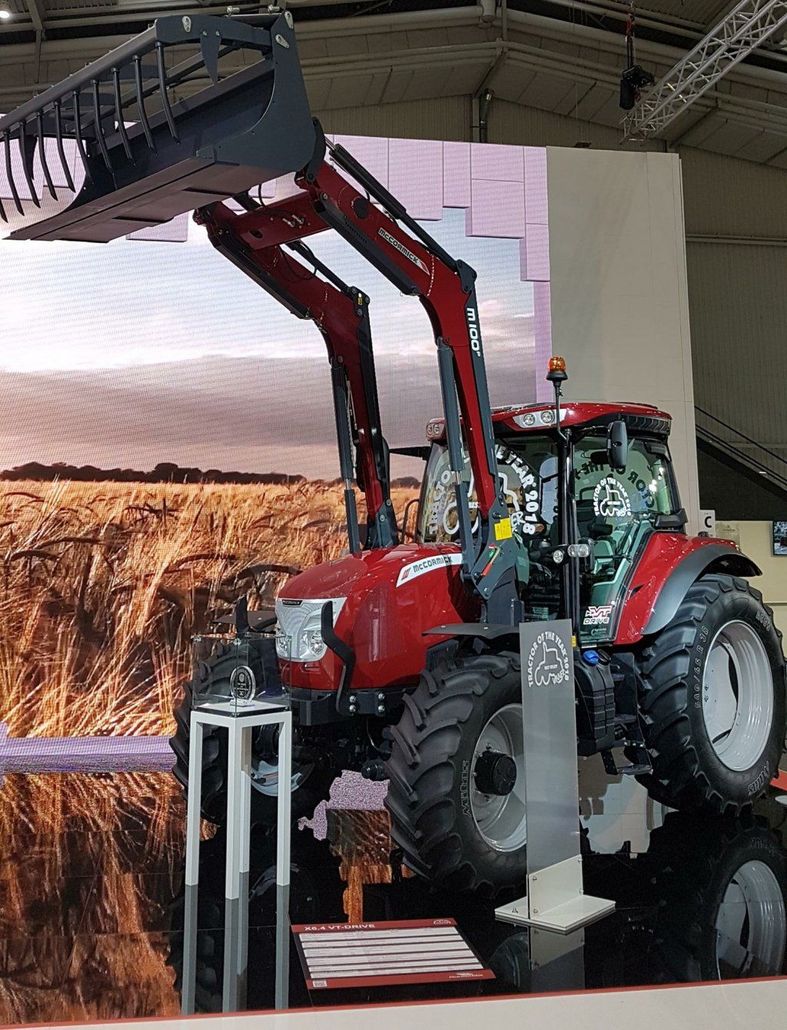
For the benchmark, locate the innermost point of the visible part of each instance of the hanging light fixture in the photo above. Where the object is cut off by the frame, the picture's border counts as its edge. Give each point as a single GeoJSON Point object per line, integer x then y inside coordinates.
{"type": "Point", "coordinates": [5, 10]}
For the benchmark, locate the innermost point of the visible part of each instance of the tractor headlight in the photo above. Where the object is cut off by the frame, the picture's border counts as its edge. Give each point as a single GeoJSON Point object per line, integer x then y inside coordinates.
{"type": "Point", "coordinates": [312, 646]}
{"type": "Point", "coordinates": [299, 633]}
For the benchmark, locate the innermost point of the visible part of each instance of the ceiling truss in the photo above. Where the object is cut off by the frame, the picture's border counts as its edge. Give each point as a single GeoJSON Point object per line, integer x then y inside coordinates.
{"type": "Point", "coordinates": [746, 27]}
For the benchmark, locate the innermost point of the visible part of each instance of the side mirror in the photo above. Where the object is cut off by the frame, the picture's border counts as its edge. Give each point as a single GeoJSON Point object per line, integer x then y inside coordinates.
{"type": "Point", "coordinates": [617, 445]}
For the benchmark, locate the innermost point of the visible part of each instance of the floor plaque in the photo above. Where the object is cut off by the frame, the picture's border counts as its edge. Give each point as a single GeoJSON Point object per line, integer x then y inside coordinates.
{"type": "Point", "coordinates": [409, 951]}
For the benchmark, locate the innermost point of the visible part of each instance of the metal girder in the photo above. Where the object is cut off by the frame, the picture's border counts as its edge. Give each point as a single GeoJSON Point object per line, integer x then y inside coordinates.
{"type": "Point", "coordinates": [36, 11]}
{"type": "Point", "coordinates": [743, 29]}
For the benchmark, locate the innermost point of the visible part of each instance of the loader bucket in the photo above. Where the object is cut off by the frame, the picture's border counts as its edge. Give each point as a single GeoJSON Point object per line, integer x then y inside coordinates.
{"type": "Point", "coordinates": [157, 129]}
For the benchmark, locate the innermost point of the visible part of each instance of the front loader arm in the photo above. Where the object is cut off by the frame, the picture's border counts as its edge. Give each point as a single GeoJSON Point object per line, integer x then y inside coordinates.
{"type": "Point", "coordinates": [415, 263]}
{"type": "Point", "coordinates": [417, 266]}
{"type": "Point", "coordinates": [341, 313]}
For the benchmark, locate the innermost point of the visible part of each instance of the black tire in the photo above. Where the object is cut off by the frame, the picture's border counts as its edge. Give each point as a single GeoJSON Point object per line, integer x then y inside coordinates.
{"type": "Point", "coordinates": [311, 785]}
{"type": "Point", "coordinates": [714, 880]}
{"type": "Point", "coordinates": [687, 771]}
{"type": "Point", "coordinates": [431, 779]}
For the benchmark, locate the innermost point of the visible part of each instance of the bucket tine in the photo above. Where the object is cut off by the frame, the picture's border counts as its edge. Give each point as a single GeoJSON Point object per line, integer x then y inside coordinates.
{"type": "Point", "coordinates": [26, 150]}
{"type": "Point", "coordinates": [143, 115]}
{"type": "Point", "coordinates": [102, 143]}
{"type": "Point", "coordinates": [60, 149]}
{"type": "Point", "coordinates": [78, 135]}
{"type": "Point", "coordinates": [210, 50]}
{"type": "Point", "coordinates": [10, 174]}
{"type": "Point", "coordinates": [42, 154]}
{"type": "Point", "coordinates": [162, 80]}
{"type": "Point", "coordinates": [119, 114]}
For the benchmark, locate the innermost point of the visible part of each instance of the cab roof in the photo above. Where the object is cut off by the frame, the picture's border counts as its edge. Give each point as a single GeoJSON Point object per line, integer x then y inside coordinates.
{"type": "Point", "coordinates": [539, 416]}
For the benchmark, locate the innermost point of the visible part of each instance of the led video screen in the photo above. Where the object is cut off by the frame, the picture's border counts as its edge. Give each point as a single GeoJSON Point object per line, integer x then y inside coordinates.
{"type": "Point", "coordinates": [167, 441]}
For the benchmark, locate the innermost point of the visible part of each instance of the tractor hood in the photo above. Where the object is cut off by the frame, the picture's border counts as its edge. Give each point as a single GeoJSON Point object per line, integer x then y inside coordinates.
{"type": "Point", "coordinates": [383, 602]}
{"type": "Point", "coordinates": [363, 571]}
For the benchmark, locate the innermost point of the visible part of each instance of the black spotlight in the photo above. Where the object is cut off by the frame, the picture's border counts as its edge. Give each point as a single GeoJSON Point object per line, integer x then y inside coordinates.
{"type": "Point", "coordinates": [633, 79]}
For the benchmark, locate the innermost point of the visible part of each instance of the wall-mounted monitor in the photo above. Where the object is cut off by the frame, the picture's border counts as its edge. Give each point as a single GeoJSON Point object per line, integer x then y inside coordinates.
{"type": "Point", "coordinates": [780, 539]}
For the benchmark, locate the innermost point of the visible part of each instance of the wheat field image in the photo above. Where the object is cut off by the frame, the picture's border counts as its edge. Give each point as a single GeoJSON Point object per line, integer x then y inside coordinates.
{"type": "Point", "coordinates": [103, 585]}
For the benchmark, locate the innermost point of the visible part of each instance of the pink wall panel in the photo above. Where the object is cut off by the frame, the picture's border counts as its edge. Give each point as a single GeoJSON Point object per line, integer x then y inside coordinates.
{"type": "Point", "coordinates": [503, 189]}
{"type": "Point", "coordinates": [542, 327]}
{"type": "Point", "coordinates": [534, 253]}
{"type": "Point", "coordinates": [496, 210]}
{"type": "Point", "coordinates": [456, 175]}
{"type": "Point", "coordinates": [497, 161]}
{"type": "Point", "coordinates": [415, 176]}
{"type": "Point", "coordinates": [174, 231]}
{"type": "Point", "coordinates": [371, 151]}
{"type": "Point", "coordinates": [536, 196]}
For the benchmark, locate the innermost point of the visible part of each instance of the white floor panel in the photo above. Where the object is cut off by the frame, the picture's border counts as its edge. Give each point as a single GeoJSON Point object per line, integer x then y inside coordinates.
{"type": "Point", "coordinates": [734, 1006]}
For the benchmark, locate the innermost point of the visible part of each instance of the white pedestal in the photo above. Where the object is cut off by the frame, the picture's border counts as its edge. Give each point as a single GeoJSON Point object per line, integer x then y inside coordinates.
{"type": "Point", "coordinates": [239, 722]}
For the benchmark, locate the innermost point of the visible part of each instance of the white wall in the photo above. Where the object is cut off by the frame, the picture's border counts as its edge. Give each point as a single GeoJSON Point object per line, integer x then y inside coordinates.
{"type": "Point", "coordinates": [619, 293]}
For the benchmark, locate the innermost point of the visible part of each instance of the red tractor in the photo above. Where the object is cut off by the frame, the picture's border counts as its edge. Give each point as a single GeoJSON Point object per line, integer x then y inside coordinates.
{"type": "Point", "coordinates": [400, 660]}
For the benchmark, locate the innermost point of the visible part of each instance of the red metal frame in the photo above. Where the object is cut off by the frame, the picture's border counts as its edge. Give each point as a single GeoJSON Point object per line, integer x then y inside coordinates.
{"type": "Point", "coordinates": [256, 238]}
{"type": "Point", "coordinates": [336, 313]}
{"type": "Point", "coordinates": [439, 287]}
{"type": "Point", "coordinates": [441, 292]}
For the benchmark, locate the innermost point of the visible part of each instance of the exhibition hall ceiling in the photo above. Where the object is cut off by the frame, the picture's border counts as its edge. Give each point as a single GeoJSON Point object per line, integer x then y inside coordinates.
{"type": "Point", "coordinates": [558, 56]}
{"type": "Point", "coordinates": [699, 12]}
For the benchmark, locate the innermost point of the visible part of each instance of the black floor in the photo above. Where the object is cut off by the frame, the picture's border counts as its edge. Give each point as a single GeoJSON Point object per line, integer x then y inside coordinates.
{"type": "Point", "coordinates": [92, 905]}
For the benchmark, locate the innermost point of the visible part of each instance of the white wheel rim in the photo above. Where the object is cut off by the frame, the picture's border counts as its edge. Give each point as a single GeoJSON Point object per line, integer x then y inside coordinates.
{"type": "Point", "coordinates": [265, 777]}
{"type": "Point", "coordinates": [737, 696]}
{"type": "Point", "coordinates": [500, 820]}
{"type": "Point", "coordinates": [751, 923]}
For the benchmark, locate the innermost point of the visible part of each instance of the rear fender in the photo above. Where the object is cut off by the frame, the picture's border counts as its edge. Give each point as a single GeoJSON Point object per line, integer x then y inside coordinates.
{"type": "Point", "coordinates": [669, 565]}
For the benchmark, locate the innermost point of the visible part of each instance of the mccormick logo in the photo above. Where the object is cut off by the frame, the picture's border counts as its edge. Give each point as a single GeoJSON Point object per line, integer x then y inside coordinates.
{"type": "Point", "coordinates": [402, 249]}
{"type": "Point", "coordinates": [424, 565]}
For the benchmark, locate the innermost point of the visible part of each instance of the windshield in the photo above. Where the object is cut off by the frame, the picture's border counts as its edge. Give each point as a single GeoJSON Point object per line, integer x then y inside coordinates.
{"type": "Point", "coordinates": [521, 475]}
{"type": "Point", "coordinates": [607, 502]}
{"type": "Point", "coordinates": [615, 511]}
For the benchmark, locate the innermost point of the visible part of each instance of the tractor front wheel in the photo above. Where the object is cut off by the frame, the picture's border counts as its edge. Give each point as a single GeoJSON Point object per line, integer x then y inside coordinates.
{"type": "Point", "coordinates": [311, 783]}
{"type": "Point", "coordinates": [456, 791]}
{"type": "Point", "coordinates": [714, 699]}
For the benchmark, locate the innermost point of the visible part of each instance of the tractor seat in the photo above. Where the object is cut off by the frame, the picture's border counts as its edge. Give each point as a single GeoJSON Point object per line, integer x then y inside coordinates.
{"type": "Point", "coordinates": [590, 525]}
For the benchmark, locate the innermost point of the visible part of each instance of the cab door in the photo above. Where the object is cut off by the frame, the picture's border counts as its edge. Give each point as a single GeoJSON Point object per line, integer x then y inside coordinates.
{"type": "Point", "coordinates": [616, 511]}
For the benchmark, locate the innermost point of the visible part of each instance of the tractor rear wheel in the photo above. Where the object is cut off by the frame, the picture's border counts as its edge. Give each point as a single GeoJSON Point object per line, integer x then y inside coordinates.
{"type": "Point", "coordinates": [311, 784]}
{"type": "Point", "coordinates": [721, 886]}
{"type": "Point", "coordinates": [714, 699]}
{"type": "Point", "coordinates": [456, 775]}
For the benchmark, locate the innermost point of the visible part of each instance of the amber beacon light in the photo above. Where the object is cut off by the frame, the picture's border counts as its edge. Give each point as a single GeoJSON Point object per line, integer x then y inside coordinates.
{"type": "Point", "coordinates": [556, 371]}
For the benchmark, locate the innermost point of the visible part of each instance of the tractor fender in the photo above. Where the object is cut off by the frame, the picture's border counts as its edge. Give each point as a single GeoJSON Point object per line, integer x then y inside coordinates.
{"type": "Point", "coordinates": [668, 567]}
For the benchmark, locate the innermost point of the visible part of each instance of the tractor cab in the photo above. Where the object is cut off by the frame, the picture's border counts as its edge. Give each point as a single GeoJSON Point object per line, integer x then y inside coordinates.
{"type": "Point", "coordinates": [616, 501]}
